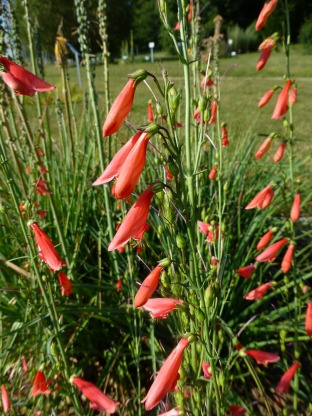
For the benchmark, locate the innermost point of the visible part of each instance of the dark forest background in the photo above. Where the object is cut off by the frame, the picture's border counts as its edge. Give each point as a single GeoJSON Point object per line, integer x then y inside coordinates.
{"type": "Point", "coordinates": [140, 19]}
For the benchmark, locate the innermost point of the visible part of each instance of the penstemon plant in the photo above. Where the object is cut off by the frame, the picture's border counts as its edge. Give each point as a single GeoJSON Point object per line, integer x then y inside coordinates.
{"type": "Point", "coordinates": [168, 245]}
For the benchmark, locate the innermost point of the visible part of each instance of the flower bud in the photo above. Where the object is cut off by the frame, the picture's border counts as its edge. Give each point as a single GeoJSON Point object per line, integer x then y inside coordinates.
{"type": "Point", "coordinates": [172, 166]}
{"type": "Point", "coordinates": [208, 296]}
{"type": "Point", "coordinates": [139, 76]}
{"type": "Point", "coordinates": [202, 104]}
{"type": "Point", "coordinates": [164, 262]}
{"type": "Point", "coordinates": [152, 129]}
{"type": "Point", "coordinates": [165, 279]}
{"type": "Point", "coordinates": [181, 243]}
{"type": "Point", "coordinates": [174, 99]}
{"type": "Point", "coordinates": [200, 315]}
{"type": "Point", "coordinates": [159, 108]}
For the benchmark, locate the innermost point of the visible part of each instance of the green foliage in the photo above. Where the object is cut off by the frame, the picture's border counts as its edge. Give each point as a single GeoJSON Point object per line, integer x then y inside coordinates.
{"type": "Point", "coordinates": [243, 40]}
{"type": "Point", "coordinates": [305, 35]}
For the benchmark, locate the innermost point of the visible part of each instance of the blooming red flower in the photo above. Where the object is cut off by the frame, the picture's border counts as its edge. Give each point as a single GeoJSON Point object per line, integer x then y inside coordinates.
{"type": "Point", "coordinates": [66, 284]}
{"type": "Point", "coordinates": [266, 11]}
{"type": "Point", "coordinates": [40, 384]}
{"type": "Point", "coordinates": [287, 259]}
{"type": "Point", "coordinates": [263, 148]}
{"type": "Point", "coordinates": [167, 376]}
{"type": "Point", "coordinates": [206, 370]}
{"type": "Point", "coordinates": [295, 209]}
{"type": "Point", "coordinates": [47, 251]}
{"type": "Point", "coordinates": [213, 173]}
{"type": "Point", "coordinates": [113, 169]}
{"type": "Point", "coordinates": [39, 152]}
{"type": "Point", "coordinates": [134, 224]}
{"type": "Point", "coordinates": [150, 115]}
{"type": "Point", "coordinates": [40, 187]}
{"type": "Point", "coordinates": [119, 285]}
{"type": "Point", "coordinates": [259, 292]}
{"type": "Point", "coordinates": [237, 410]}
{"type": "Point", "coordinates": [265, 54]}
{"type": "Point", "coordinates": [281, 106]}
{"type": "Point", "coordinates": [284, 383]}
{"type": "Point", "coordinates": [246, 271]}
{"type": "Point", "coordinates": [206, 82]}
{"type": "Point", "coordinates": [308, 320]}
{"type": "Point", "coordinates": [22, 81]}
{"type": "Point", "coordinates": [279, 152]}
{"type": "Point", "coordinates": [147, 287]}
{"type": "Point", "coordinates": [160, 307]}
{"type": "Point", "coordinates": [292, 96]}
{"type": "Point", "coordinates": [266, 98]}
{"type": "Point", "coordinates": [98, 400]}
{"type": "Point", "coordinates": [24, 365]}
{"type": "Point", "coordinates": [177, 26]}
{"type": "Point", "coordinates": [203, 227]}
{"type": "Point", "coordinates": [262, 199]}
{"type": "Point", "coordinates": [120, 109]}
{"type": "Point", "coordinates": [263, 357]}
{"type": "Point", "coordinates": [214, 108]}
{"type": "Point", "coordinates": [6, 404]}
{"type": "Point", "coordinates": [42, 213]}
{"type": "Point", "coordinates": [264, 240]}
{"type": "Point", "coordinates": [168, 173]}
{"type": "Point", "coordinates": [270, 253]}
{"type": "Point", "coordinates": [224, 136]}
{"type": "Point", "coordinates": [196, 115]}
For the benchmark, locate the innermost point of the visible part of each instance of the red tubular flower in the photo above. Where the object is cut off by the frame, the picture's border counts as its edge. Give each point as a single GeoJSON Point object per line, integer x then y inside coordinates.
{"type": "Point", "coordinates": [265, 54]}
{"type": "Point", "coordinates": [66, 285]}
{"type": "Point", "coordinates": [196, 115]}
{"type": "Point", "coordinates": [224, 136]}
{"type": "Point", "coordinates": [113, 169]}
{"type": "Point", "coordinates": [246, 271]}
{"type": "Point", "coordinates": [40, 187]}
{"type": "Point", "coordinates": [119, 285]}
{"type": "Point", "coordinates": [47, 251]}
{"type": "Point", "coordinates": [295, 209]}
{"type": "Point", "coordinates": [266, 11]}
{"type": "Point", "coordinates": [279, 152]}
{"type": "Point", "coordinates": [42, 213]}
{"type": "Point", "coordinates": [120, 109]}
{"type": "Point", "coordinates": [264, 240]}
{"type": "Point", "coordinates": [270, 253]}
{"type": "Point", "coordinates": [263, 148]}
{"type": "Point", "coordinates": [132, 168]}
{"type": "Point", "coordinates": [281, 106]}
{"type": "Point", "coordinates": [237, 410]}
{"type": "Point", "coordinates": [308, 320]}
{"type": "Point", "coordinates": [213, 116]}
{"type": "Point", "coordinates": [206, 370]}
{"type": "Point", "coordinates": [259, 292]}
{"type": "Point", "coordinates": [147, 287]}
{"type": "Point", "coordinates": [287, 259]}
{"type": "Point", "coordinates": [21, 80]}
{"type": "Point", "coordinates": [177, 26]}
{"type": "Point", "coordinates": [167, 376]}
{"type": "Point", "coordinates": [168, 173]}
{"type": "Point", "coordinates": [284, 383]}
{"type": "Point", "coordinates": [134, 223]}
{"type": "Point", "coordinates": [263, 357]}
{"type": "Point", "coordinates": [206, 82]}
{"type": "Point", "coordinates": [292, 96]}
{"type": "Point", "coordinates": [160, 307]}
{"type": "Point", "coordinates": [190, 13]}
{"type": "Point", "coordinates": [213, 173]}
{"type": "Point", "coordinates": [98, 400]}
{"type": "Point", "coordinates": [40, 385]}
{"type": "Point", "coordinates": [6, 404]}
{"type": "Point", "coordinates": [24, 365]}
{"type": "Point", "coordinates": [266, 98]}
{"type": "Point", "coordinates": [203, 227]}
{"type": "Point", "coordinates": [150, 115]}
{"type": "Point", "coordinates": [262, 199]}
